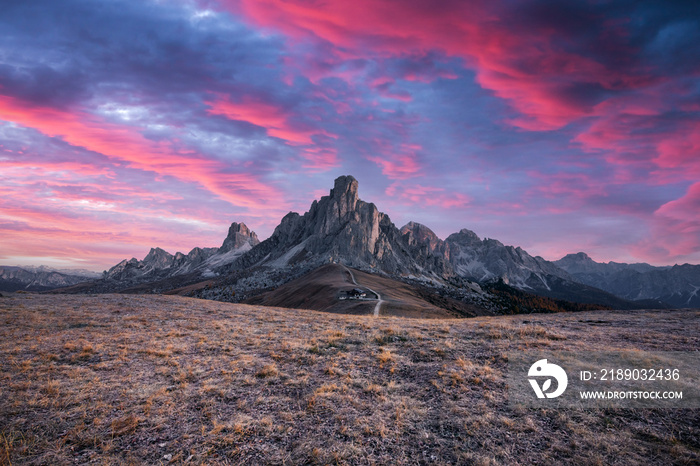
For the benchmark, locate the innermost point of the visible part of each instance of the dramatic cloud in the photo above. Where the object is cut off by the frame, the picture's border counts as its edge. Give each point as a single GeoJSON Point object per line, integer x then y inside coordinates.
{"type": "Point", "coordinates": [556, 126]}
{"type": "Point", "coordinates": [675, 228]}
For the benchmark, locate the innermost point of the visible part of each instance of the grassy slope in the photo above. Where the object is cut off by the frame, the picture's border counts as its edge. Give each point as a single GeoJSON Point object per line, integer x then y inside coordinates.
{"type": "Point", "coordinates": [318, 290]}
{"type": "Point", "coordinates": [404, 300]}
{"type": "Point", "coordinates": [129, 379]}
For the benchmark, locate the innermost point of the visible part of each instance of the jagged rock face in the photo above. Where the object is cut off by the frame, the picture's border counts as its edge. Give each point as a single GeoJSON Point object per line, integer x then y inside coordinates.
{"type": "Point", "coordinates": [490, 259]}
{"type": "Point", "coordinates": [158, 258]}
{"type": "Point", "coordinates": [678, 285]}
{"type": "Point", "coordinates": [196, 256]}
{"type": "Point", "coordinates": [416, 234]}
{"type": "Point", "coordinates": [339, 208]}
{"type": "Point", "coordinates": [238, 235]}
{"type": "Point", "coordinates": [340, 227]}
{"type": "Point", "coordinates": [426, 248]}
{"type": "Point", "coordinates": [577, 263]}
{"type": "Point", "coordinates": [159, 263]}
{"type": "Point", "coordinates": [466, 238]}
{"type": "Point", "coordinates": [156, 261]}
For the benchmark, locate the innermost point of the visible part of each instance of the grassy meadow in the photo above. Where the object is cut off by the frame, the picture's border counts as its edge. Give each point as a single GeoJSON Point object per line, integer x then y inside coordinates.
{"type": "Point", "coordinates": [134, 379]}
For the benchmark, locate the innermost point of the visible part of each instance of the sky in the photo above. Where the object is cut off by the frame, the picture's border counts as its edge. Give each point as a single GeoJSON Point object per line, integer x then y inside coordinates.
{"type": "Point", "coordinates": [555, 126]}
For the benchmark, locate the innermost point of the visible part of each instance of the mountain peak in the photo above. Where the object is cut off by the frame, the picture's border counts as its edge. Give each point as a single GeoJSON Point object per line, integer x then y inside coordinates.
{"type": "Point", "coordinates": [344, 193]}
{"type": "Point", "coordinates": [418, 233]}
{"type": "Point", "coordinates": [241, 228]}
{"type": "Point", "coordinates": [465, 237]}
{"type": "Point", "coordinates": [156, 254]}
{"type": "Point", "coordinates": [158, 258]}
{"type": "Point", "coordinates": [344, 184]}
{"type": "Point", "coordinates": [238, 235]}
{"type": "Point", "coordinates": [578, 257]}
{"type": "Point", "coordinates": [339, 226]}
{"type": "Point", "coordinates": [414, 226]}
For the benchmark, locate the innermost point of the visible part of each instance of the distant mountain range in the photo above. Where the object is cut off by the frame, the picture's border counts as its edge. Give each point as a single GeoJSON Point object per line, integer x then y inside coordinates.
{"type": "Point", "coordinates": [343, 229]}
{"type": "Point", "coordinates": [676, 285]}
{"type": "Point", "coordinates": [159, 264]}
{"type": "Point", "coordinates": [41, 278]}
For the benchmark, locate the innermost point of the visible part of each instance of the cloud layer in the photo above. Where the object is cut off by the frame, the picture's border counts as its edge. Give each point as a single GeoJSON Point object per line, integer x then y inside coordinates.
{"type": "Point", "coordinates": [558, 127]}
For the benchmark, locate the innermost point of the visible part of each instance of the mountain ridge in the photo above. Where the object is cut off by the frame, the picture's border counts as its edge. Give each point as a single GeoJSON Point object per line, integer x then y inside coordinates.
{"type": "Point", "coordinates": [159, 263]}
{"type": "Point", "coordinates": [678, 285]}
{"type": "Point", "coordinates": [342, 228]}
{"type": "Point", "coordinates": [40, 278]}
{"type": "Point", "coordinates": [339, 226]}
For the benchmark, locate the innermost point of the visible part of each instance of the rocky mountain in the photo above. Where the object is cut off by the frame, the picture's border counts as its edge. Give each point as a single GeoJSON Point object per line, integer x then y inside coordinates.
{"type": "Point", "coordinates": [39, 278]}
{"type": "Point", "coordinates": [427, 249]}
{"type": "Point", "coordinates": [203, 262]}
{"type": "Point", "coordinates": [238, 237]}
{"type": "Point", "coordinates": [677, 285]}
{"type": "Point", "coordinates": [489, 259]}
{"type": "Point", "coordinates": [466, 256]}
{"type": "Point", "coordinates": [580, 264]}
{"type": "Point", "coordinates": [88, 274]}
{"type": "Point", "coordinates": [341, 228]}
{"type": "Point", "coordinates": [158, 263]}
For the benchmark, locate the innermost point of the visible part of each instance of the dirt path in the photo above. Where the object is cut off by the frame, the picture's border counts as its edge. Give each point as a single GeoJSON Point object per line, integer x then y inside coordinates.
{"type": "Point", "coordinates": [379, 297]}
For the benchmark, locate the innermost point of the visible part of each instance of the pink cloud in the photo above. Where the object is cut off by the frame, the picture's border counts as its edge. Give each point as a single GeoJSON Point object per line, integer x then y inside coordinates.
{"type": "Point", "coordinates": [675, 228]}
{"type": "Point", "coordinates": [564, 192]}
{"type": "Point", "coordinates": [124, 143]}
{"type": "Point", "coordinates": [681, 148]}
{"type": "Point", "coordinates": [274, 119]}
{"type": "Point", "coordinates": [279, 123]}
{"type": "Point", "coordinates": [398, 94]}
{"type": "Point", "coordinates": [429, 77]}
{"type": "Point", "coordinates": [631, 131]}
{"type": "Point", "coordinates": [98, 223]}
{"type": "Point", "coordinates": [96, 243]}
{"type": "Point", "coordinates": [320, 159]}
{"type": "Point", "coordinates": [114, 191]}
{"type": "Point", "coordinates": [397, 167]}
{"type": "Point", "coordinates": [528, 67]}
{"type": "Point", "coordinates": [428, 196]}
{"type": "Point", "coordinates": [683, 208]}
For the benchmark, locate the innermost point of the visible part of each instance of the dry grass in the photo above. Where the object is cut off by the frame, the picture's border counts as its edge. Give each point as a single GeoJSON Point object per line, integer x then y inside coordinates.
{"type": "Point", "coordinates": [148, 379]}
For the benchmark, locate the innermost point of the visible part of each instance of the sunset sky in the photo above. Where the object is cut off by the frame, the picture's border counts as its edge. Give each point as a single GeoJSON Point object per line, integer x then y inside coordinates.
{"type": "Point", "coordinates": [556, 126]}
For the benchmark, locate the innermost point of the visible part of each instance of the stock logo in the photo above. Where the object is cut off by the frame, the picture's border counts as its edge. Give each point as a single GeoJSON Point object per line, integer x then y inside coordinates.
{"type": "Point", "coordinates": [551, 371]}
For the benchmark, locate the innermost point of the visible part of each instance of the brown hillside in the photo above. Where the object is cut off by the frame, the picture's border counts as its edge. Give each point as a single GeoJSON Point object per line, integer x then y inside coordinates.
{"type": "Point", "coordinates": [320, 290]}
